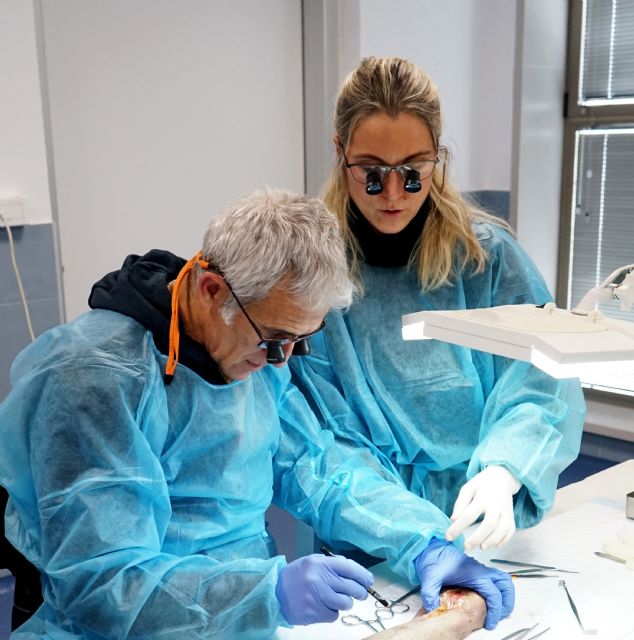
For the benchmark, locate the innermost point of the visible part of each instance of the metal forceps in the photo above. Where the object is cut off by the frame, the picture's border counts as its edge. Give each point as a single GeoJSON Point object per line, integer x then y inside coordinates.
{"type": "Point", "coordinates": [591, 632]}
{"type": "Point", "coordinates": [522, 633]}
{"type": "Point", "coordinates": [532, 565]}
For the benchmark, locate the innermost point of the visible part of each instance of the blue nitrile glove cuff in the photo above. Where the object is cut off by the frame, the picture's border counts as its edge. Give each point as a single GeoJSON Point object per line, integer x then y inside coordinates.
{"type": "Point", "coordinates": [316, 587]}
{"type": "Point", "coordinates": [442, 564]}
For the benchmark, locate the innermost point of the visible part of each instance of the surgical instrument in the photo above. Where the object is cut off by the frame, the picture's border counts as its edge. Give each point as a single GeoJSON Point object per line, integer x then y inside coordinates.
{"type": "Point", "coordinates": [516, 572]}
{"type": "Point", "coordinates": [522, 633]}
{"type": "Point", "coordinates": [562, 584]}
{"type": "Point", "coordinates": [628, 563]}
{"type": "Point", "coordinates": [530, 564]}
{"type": "Point", "coordinates": [383, 613]}
{"type": "Point", "coordinates": [327, 552]}
{"type": "Point", "coordinates": [399, 600]}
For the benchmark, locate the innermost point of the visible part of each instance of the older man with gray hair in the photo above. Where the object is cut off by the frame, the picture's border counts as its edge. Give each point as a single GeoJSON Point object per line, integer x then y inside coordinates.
{"type": "Point", "coordinates": [144, 441]}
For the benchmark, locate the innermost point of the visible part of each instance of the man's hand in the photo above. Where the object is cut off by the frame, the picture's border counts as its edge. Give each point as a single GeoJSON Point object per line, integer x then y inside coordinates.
{"type": "Point", "coordinates": [491, 493]}
{"type": "Point", "coordinates": [442, 564]}
{"type": "Point", "coordinates": [315, 588]}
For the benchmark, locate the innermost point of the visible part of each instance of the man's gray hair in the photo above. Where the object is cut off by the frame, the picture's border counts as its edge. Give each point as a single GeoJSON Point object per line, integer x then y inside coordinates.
{"type": "Point", "coordinates": [271, 234]}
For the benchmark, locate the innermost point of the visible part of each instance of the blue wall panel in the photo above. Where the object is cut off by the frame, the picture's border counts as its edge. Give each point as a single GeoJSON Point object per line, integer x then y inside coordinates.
{"type": "Point", "coordinates": [35, 257]}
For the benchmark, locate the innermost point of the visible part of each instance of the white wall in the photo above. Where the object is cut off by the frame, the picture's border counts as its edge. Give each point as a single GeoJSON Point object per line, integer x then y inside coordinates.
{"type": "Point", "coordinates": [467, 48]}
{"type": "Point", "coordinates": [161, 113]}
{"type": "Point", "coordinates": [147, 144]}
{"type": "Point", "coordinates": [23, 170]}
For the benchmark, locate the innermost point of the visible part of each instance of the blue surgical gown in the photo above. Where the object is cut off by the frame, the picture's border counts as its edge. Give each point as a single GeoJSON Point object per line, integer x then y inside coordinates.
{"type": "Point", "coordinates": [144, 504]}
{"type": "Point", "coordinates": [434, 413]}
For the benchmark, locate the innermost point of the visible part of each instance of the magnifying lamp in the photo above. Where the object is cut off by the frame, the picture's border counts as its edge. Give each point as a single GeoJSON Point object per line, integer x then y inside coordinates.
{"type": "Point", "coordinates": [581, 343]}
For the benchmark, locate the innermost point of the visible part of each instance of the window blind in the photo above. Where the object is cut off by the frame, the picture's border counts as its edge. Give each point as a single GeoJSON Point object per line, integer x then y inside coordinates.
{"type": "Point", "coordinates": [603, 231]}
{"type": "Point", "coordinates": [602, 124]}
{"type": "Point", "coordinates": [607, 52]}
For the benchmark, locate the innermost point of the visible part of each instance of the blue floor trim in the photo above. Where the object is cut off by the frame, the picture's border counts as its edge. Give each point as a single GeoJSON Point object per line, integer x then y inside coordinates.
{"type": "Point", "coordinates": [581, 468]}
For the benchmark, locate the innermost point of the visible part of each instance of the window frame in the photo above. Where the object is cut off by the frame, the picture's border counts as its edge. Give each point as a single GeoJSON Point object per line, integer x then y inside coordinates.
{"type": "Point", "coordinates": [577, 117]}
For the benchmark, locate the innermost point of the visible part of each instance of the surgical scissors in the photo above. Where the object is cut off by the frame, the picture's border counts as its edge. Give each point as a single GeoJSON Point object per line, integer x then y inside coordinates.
{"type": "Point", "coordinates": [382, 613]}
{"type": "Point", "coordinates": [522, 633]}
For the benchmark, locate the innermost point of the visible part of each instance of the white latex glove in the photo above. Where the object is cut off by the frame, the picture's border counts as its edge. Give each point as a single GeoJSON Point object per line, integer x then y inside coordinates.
{"type": "Point", "coordinates": [490, 492]}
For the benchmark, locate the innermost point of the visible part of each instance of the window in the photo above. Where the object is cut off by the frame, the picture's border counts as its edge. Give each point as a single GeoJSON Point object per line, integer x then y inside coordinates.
{"type": "Point", "coordinates": [597, 231]}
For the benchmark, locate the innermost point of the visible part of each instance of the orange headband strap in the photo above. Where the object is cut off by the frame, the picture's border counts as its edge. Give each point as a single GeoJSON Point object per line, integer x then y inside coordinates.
{"type": "Point", "coordinates": [174, 337]}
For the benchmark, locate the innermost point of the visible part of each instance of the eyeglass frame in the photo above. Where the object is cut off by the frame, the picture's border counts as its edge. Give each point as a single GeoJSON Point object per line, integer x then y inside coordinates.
{"type": "Point", "coordinates": [383, 170]}
{"type": "Point", "coordinates": [274, 352]}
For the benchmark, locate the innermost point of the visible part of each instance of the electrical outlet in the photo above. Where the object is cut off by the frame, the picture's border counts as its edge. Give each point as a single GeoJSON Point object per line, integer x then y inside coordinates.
{"type": "Point", "coordinates": [12, 210]}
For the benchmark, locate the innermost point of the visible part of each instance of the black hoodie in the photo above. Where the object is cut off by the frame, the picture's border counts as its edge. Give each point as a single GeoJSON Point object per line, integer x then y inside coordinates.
{"type": "Point", "coordinates": [140, 290]}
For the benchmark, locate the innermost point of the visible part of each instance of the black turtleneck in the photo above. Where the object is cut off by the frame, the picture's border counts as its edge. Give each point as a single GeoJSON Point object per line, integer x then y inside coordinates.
{"type": "Point", "coordinates": [386, 249]}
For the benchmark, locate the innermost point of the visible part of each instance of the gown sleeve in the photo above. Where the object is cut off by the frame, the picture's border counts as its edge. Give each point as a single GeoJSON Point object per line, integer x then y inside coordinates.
{"type": "Point", "coordinates": [346, 495]}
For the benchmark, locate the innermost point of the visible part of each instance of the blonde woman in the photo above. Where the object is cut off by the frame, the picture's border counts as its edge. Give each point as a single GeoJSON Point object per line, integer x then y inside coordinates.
{"type": "Point", "coordinates": [472, 433]}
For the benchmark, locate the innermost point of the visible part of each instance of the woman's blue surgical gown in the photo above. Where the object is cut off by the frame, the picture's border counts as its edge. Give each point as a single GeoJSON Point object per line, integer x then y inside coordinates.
{"type": "Point", "coordinates": [434, 413]}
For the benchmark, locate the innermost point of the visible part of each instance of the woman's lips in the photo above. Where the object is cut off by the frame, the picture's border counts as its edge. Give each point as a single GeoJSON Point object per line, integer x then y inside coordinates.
{"type": "Point", "coordinates": [390, 212]}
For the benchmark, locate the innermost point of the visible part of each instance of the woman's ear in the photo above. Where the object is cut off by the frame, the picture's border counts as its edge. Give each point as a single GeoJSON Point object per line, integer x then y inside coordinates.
{"type": "Point", "coordinates": [337, 144]}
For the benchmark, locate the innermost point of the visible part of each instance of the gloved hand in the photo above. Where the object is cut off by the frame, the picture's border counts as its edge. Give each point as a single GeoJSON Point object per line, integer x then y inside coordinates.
{"type": "Point", "coordinates": [315, 588]}
{"type": "Point", "coordinates": [490, 492]}
{"type": "Point", "coordinates": [442, 564]}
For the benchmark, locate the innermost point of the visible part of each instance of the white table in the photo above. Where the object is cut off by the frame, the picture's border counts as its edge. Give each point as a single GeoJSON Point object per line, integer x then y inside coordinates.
{"type": "Point", "coordinates": [612, 483]}
{"type": "Point", "coordinates": [584, 514]}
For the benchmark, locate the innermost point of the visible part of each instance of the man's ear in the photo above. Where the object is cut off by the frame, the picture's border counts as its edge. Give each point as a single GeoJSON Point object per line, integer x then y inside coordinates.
{"type": "Point", "coordinates": [212, 288]}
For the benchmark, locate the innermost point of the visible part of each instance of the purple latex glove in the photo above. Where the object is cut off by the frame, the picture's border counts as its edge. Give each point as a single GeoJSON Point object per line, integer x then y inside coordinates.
{"type": "Point", "coordinates": [316, 587]}
{"type": "Point", "coordinates": [443, 565]}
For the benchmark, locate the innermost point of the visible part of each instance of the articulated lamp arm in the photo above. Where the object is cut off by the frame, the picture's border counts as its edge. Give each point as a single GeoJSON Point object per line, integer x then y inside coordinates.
{"type": "Point", "coordinates": [609, 290]}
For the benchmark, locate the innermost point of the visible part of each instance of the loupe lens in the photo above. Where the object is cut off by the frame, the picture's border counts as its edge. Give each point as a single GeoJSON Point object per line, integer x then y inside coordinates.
{"type": "Point", "coordinates": [412, 181]}
{"type": "Point", "coordinates": [275, 354]}
{"type": "Point", "coordinates": [373, 184]}
{"type": "Point", "coordinates": [301, 348]}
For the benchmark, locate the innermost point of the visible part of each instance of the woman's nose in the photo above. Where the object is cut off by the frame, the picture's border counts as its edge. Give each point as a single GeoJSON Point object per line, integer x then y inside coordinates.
{"type": "Point", "coordinates": [393, 184]}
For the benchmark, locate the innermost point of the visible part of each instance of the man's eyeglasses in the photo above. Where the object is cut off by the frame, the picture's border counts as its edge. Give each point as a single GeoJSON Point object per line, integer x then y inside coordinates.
{"type": "Point", "coordinates": [274, 347]}
{"type": "Point", "coordinates": [374, 175]}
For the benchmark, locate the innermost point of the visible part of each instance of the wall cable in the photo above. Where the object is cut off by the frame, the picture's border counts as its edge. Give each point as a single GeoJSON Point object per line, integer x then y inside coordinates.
{"type": "Point", "coordinates": [17, 276]}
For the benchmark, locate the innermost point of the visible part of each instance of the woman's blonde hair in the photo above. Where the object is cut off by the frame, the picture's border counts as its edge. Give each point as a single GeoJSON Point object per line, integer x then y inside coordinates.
{"type": "Point", "coordinates": [394, 86]}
